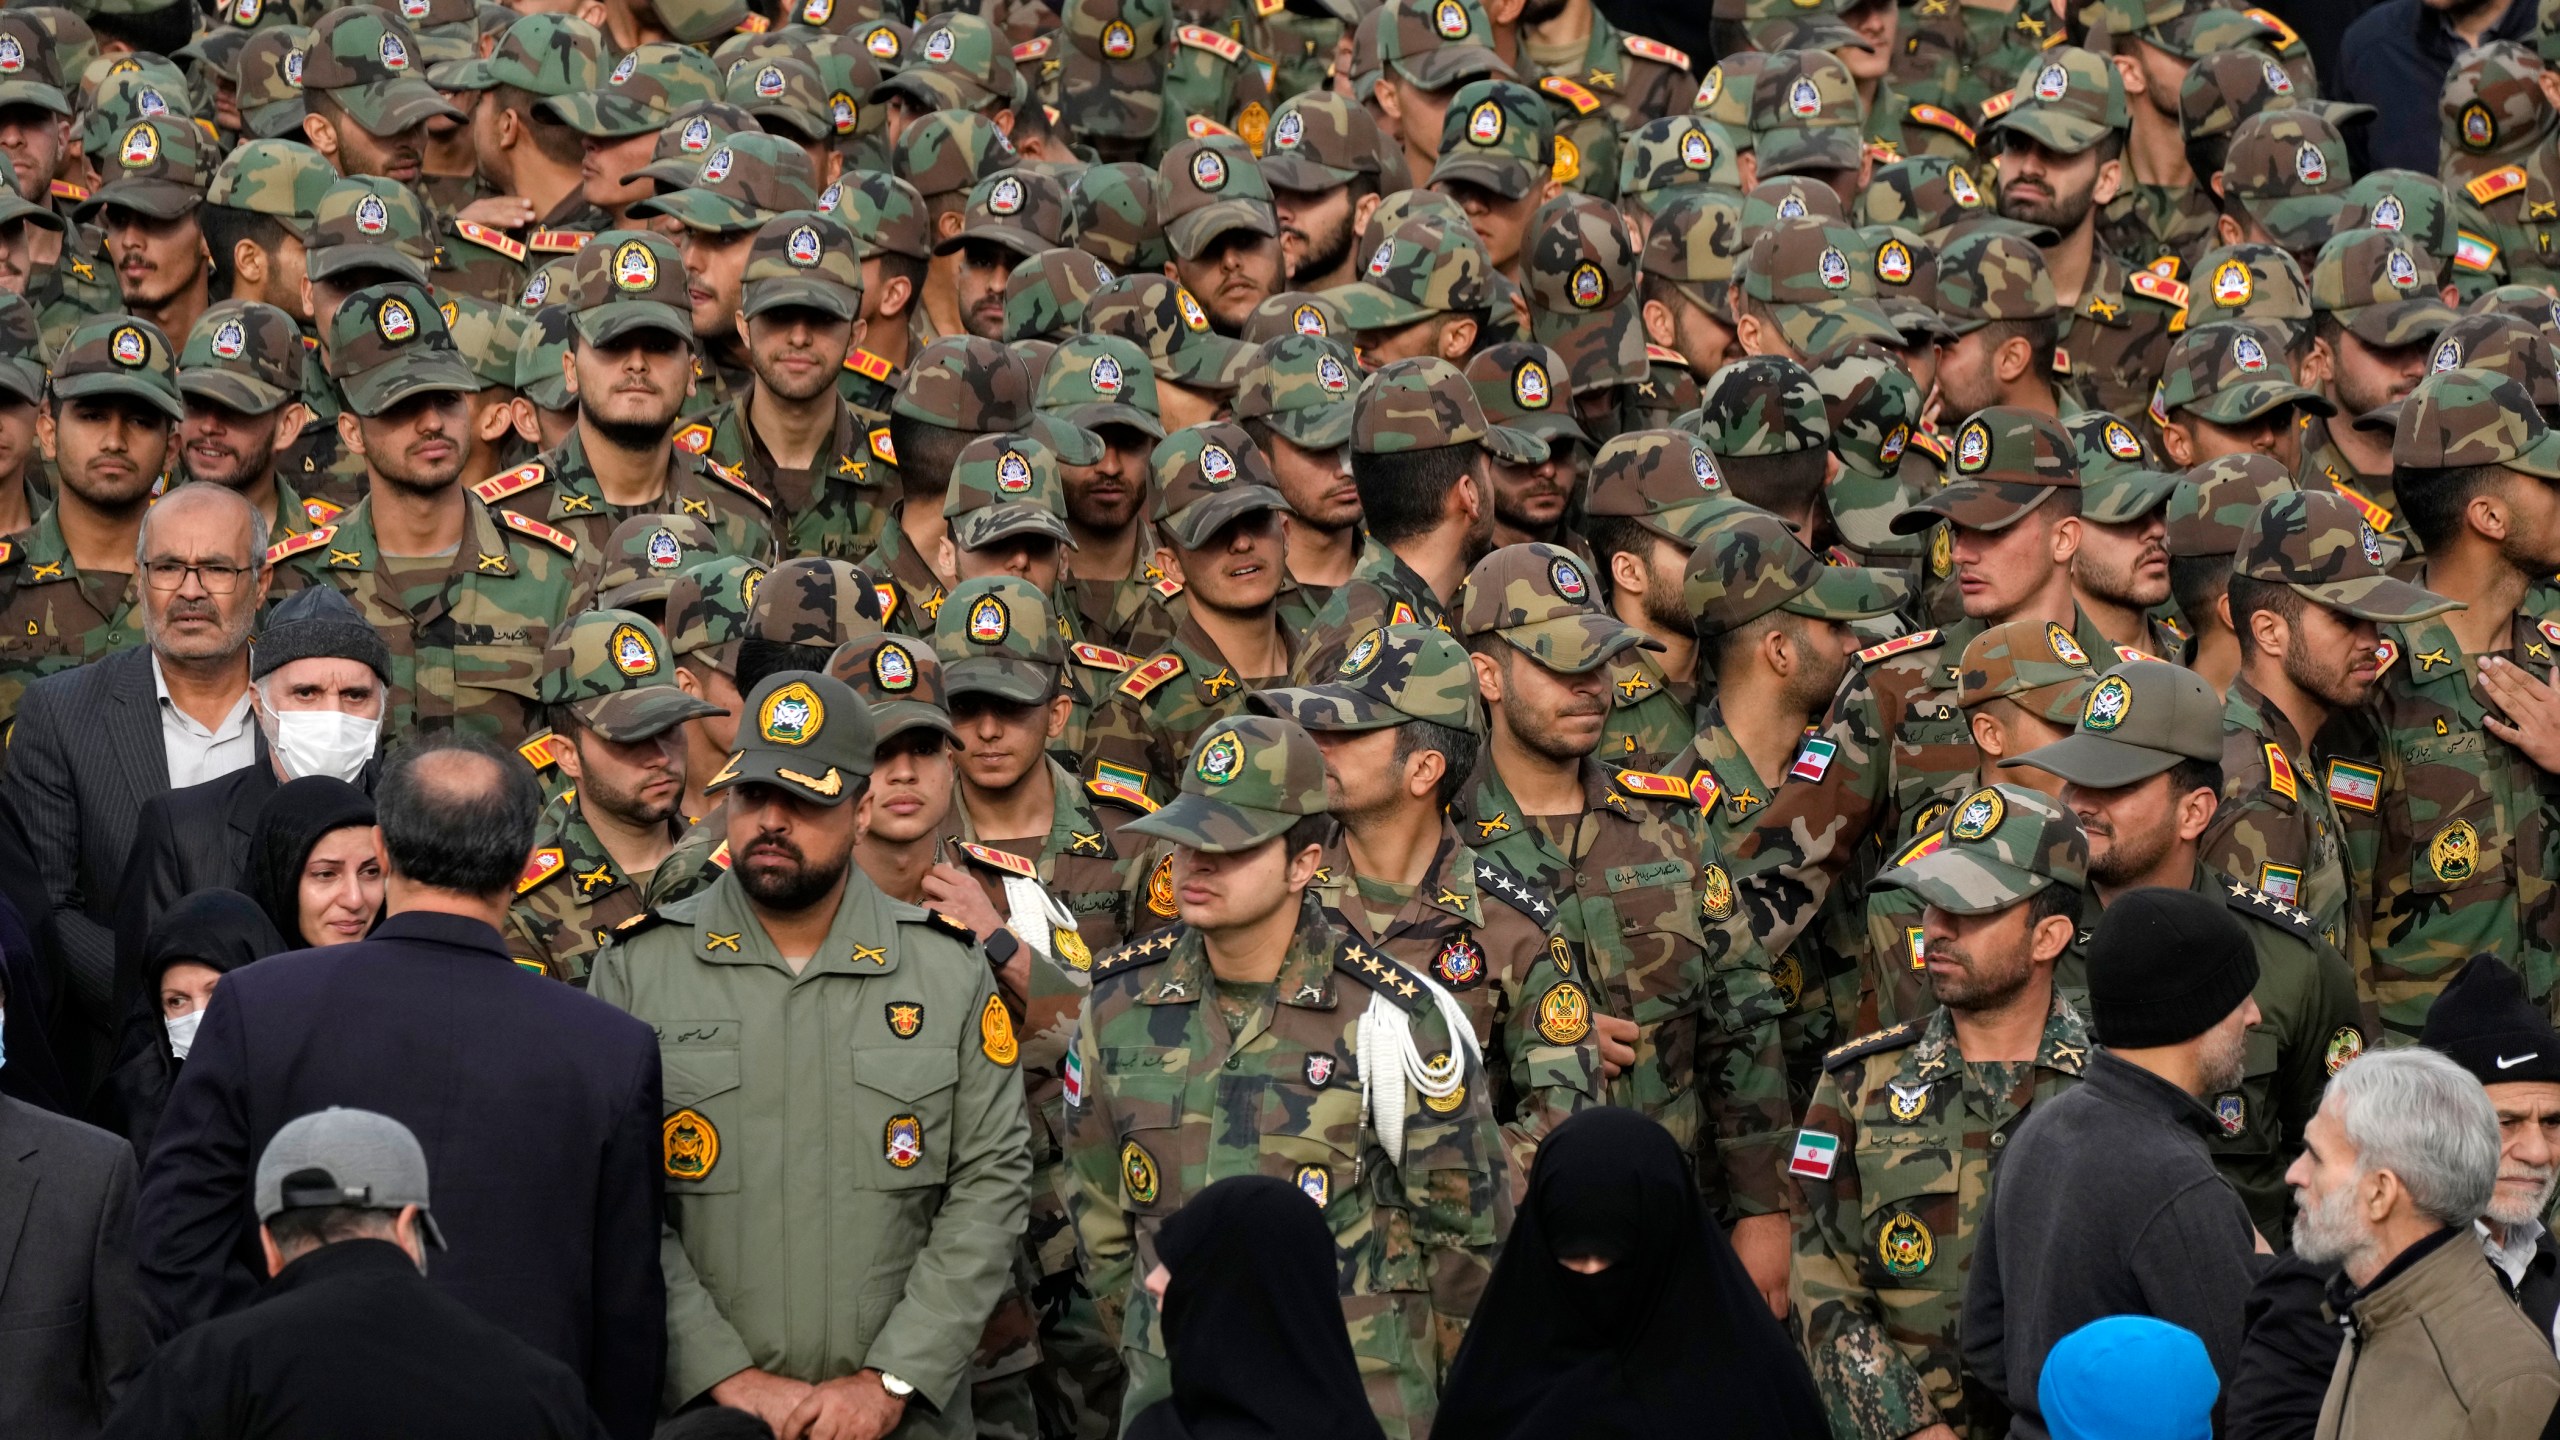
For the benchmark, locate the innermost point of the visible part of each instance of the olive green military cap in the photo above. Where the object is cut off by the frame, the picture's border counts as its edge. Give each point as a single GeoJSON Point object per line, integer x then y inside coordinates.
{"type": "Point", "coordinates": [269, 88]}
{"type": "Point", "coordinates": [613, 670]}
{"type": "Point", "coordinates": [281, 179]}
{"type": "Point", "coordinates": [242, 355]}
{"type": "Point", "coordinates": [1389, 677]}
{"type": "Point", "coordinates": [676, 159]}
{"type": "Point", "coordinates": [642, 92]}
{"type": "Point", "coordinates": [2230, 371]}
{"type": "Point", "coordinates": [2455, 419]}
{"type": "Point", "coordinates": [2257, 283]}
{"type": "Point", "coordinates": [1005, 485]}
{"type": "Point", "coordinates": [1805, 115]}
{"type": "Point", "coordinates": [1438, 44]}
{"type": "Point", "coordinates": [1498, 134]}
{"type": "Point", "coordinates": [370, 64]}
{"type": "Point", "coordinates": [804, 733]}
{"type": "Point", "coordinates": [1748, 563]}
{"type": "Point", "coordinates": [490, 337]}
{"type": "Point", "coordinates": [886, 214]}
{"type": "Point", "coordinates": [2120, 479]}
{"type": "Point", "coordinates": [1665, 480]}
{"type": "Point", "coordinates": [1425, 403]}
{"type": "Point", "coordinates": [2502, 344]}
{"type": "Point", "coordinates": [2407, 203]}
{"type": "Point", "coordinates": [900, 678]}
{"type": "Point", "coordinates": [1809, 271]}
{"type": "Point", "coordinates": [645, 555]}
{"type": "Point", "coordinates": [784, 94]}
{"type": "Point", "coordinates": [369, 224]}
{"type": "Point", "coordinates": [2006, 462]}
{"type": "Point", "coordinates": [1525, 385]}
{"type": "Point", "coordinates": [964, 383]}
{"type": "Point", "coordinates": [159, 169]}
{"type": "Point", "coordinates": [2316, 544]}
{"type": "Point", "coordinates": [1208, 187]}
{"type": "Point", "coordinates": [2215, 501]}
{"type": "Point", "coordinates": [2290, 170]}
{"type": "Point", "coordinates": [708, 605]}
{"type": "Point", "coordinates": [949, 151]}
{"type": "Point", "coordinates": [1986, 275]}
{"type": "Point", "coordinates": [2003, 844]}
{"type": "Point", "coordinates": [1694, 243]}
{"type": "Point", "coordinates": [743, 181]}
{"type": "Point", "coordinates": [2382, 286]}
{"type": "Point", "coordinates": [1871, 408]}
{"type": "Point", "coordinates": [1164, 319]}
{"type": "Point", "coordinates": [1207, 477]}
{"type": "Point", "coordinates": [542, 54]}
{"type": "Point", "coordinates": [623, 282]}
{"type": "Point", "coordinates": [804, 259]}
{"type": "Point", "coordinates": [1247, 781]}
{"type": "Point", "coordinates": [1762, 405]}
{"type": "Point", "coordinates": [118, 355]}
{"type": "Point", "coordinates": [1725, 94]}
{"type": "Point", "coordinates": [1046, 295]}
{"type": "Point", "coordinates": [29, 71]}
{"type": "Point", "coordinates": [388, 343]}
{"type": "Point", "coordinates": [1584, 290]}
{"type": "Point", "coordinates": [2038, 665]}
{"type": "Point", "coordinates": [960, 62]}
{"type": "Point", "coordinates": [1022, 210]}
{"type": "Point", "coordinates": [1306, 388]}
{"type": "Point", "coordinates": [1425, 266]}
{"type": "Point", "coordinates": [2067, 99]}
{"type": "Point", "coordinates": [1319, 140]}
{"type": "Point", "coordinates": [1542, 600]}
{"type": "Point", "coordinates": [1296, 312]}
{"type": "Point", "coordinates": [2225, 87]}
{"type": "Point", "coordinates": [811, 600]}
{"type": "Point", "coordinates": [2141, 718]}
{"type": "Point", "coordinates": [1673, 153]}
{"type": "Point", "coordinates": [1115, 217]}
{"type": "Point", "coordinates": [2207, 28]}
{"type": "Point", "coordinates": [997, 637]}
{"type": "Point", "coordinates": [1097, 380]}
{"type": "Point", "coordinates": [1926, 193]}
{"type": "Point", "coordinates": [2492, 101]}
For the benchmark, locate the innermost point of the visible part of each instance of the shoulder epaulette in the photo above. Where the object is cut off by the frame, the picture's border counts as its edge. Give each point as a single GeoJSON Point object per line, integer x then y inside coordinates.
{"type": "Point", "coordinates": [2385, 653]}
{"type": "Point", "coordinates": [1665, 355]}
{"type": "Point", "coordinates": [1150, 675]}
{"type": "Point", "coordinates": [540, 866]}
{"type": "Point", "coordinates": [886, 593]}
{"type": "Point", "coordinates": [1111, 787]}
{"type": "Point", "coordinates": [2156, 287]}
{"type": "Point", "coordinates": [1515, 890]}
{"type": "Point", "coordinates": [65, 190]}
{"type": "Point", "coordinates": [1893, 1038]}
{"type": "Point", "coordinates": [1138, 952]}
{"type": "Point", "coordinates": [1166, 588]}
{"type": "Point", "coordinates": [881, 447]}
{"type": "Point", "coordinates": [694, 438]}
{"type": "Point", "coordinates": [1937, 119]}
{"type": "Point", "coordinates": [2280, 776]}
{"type": "Point", "coordinates": [498, 240]}
{"type": "Point", "coordinates": [995, 859]}
{"type": "Point", "coordinates": [1897, 645]}
{"type": "Point", "coordinates": [949, 925]}
{"type": "Point", "coordinates": [1031, 49]}
{"type": "Point", "coordinates": [293, 545]}
{"type": "Point", "coordinates": [720, 857]}
{"type": "Point", "coordinates": [1928, 843]}
{"type": "Point", "coordinates": [1100, 657]}
{"type": "Point", "coordinates": [559, 242]}
{"type": "Point", "coordinates": [2505, 180]}
{"type": "Point", "coordinates": [1382, 973]}
{"type": "Point", "coordinates": [1999, 105]}
{"type": "Point", "coordinates": [1930, 445]}
{"type": "Point", "coordinates": [537, 752]}
{"type": "Point", "coordinates": [2260, 905]}
{"type": "Point", "coordinates": [523, 477]}
{"type": "Point", "coordinates": [2374, 515]}
{"type": "Point", "coordinates": [2176, 630]}
{"type": "Point", "coordinates": [2550, 629]}
{"type": "Point", "coordinates": [1655, 786]}
{"type": "Point", "coordinates": [638, 924]}
{"type": "Point", "coordinates": [319, 511]}
{"type": "Point", "coordinates": [1211, 41]}
{"type": "Point", "coordinates": [863, 362]}
{"type": "Point", "coordinates": [2286, 39]}
{"type": "Point", "coordinates": [525, 525]}
{"type": "Point", "coordinates": [736, 479]}
{"type": "Point", "coordinates": [1201, 127]}
{"type": "Point", "coordinates": [1645, 47]}
{"type": "Point", "coordinates": [1577, 96]}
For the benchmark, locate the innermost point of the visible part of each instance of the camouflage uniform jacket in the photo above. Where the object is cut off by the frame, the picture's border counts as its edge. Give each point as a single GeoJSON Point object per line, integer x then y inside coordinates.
{"type": "Point", "coordinates": [1893, 1173]}
{"type": "Point", "coordinates": [2149, 223]}
{"type": "Point", "coordinates": [1165, 1099]}
{"type": "Point", "coordinates": [1651, 715]}
{"type": "Point", "coordinates": [571, 895]}
{"type": "Point", "coordinates": [2448, 826]}
{"type": "Point", "coordinates": [1901, 128]}
{"type": "Point", "coordinates": [470, 657]}
{"type": "Point", "coordinates": [2277, 828]}
{"type": "Point", "coordinates": [559, 488]}
{"type": "Point", "coordinates": [52, 616]}
{"type": "Point", "coordinates": [1382, 590]}
{"type": "Point", "coordinates": [1637, 79]}
{"type": "Point", "coordinates": [869, 381]}
{"type": "Point", "coordinates": [1149, 719]}
{"type": "Point", "coordinates": [2517, 209]}
{"type": "Point", "coordinates": [849, 503]}
{"type": "Point", "coordinates": [1647, 912]}
{"type": "Point", "coordinates": [910, 593]}
{"type": "Point", "coordinates": [716, 384]}
{"type": "Point", "coordinates": [1138, 613]}
{"type": "Point", "coordinates": [700, 857]}
{"type": "Point", "coordinates": [481, 261]}
{"type": "Point", "coordinates": [80, 285]}
{"type": "Point", "coordinates": [2326, 467]}
{"type": "Point", "coordinates": [1212, 74]}
{"type": "Point", "coordinates": [1477, 930]}
{"type": "Point", "coordinates": [2118, 336]}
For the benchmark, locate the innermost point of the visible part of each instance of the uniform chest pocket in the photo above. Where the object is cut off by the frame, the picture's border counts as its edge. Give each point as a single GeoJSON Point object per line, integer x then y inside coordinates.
{"type": "Point", "coordinates": [903, 1102]}
{"type": "Point", "coordinates": [705, 1119]}
{"type": "Point", "coordinates": [1910, 1194]}
{"type": "Point", "coordinates": [2453, 849]}
{"type": "Point", "coordinates": [1663, 970]}
{"type": "Point", "coordinates": [512, 669]}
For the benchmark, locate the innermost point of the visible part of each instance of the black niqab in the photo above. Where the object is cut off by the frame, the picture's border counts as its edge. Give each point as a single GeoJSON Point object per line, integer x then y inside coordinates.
{"type": "Point", "coordinates": [1253, 1327]}
{"type": "Point", "coordinates": [219, 929]}
{"type": "Point", "coordinates": [294, 820]}
{"type": "Point", "coordinates": [1672, 1339]}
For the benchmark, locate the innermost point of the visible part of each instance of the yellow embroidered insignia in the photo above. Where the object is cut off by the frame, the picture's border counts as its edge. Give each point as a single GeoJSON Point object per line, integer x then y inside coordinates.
{"type": "Point", "coordinates": [1138, 1172]}
{"type": "Point", "coordinates": [542, 865]}
{"type": "Point", "coordinates": [1905, 1245]}
{"type": "Point", "coordinates": [2505, 180]}
{"type": "Point", "coordinates": [2279, 771]}
{"type": "Point", "coordinates": [1100, 657]}
{"type": "Point", "coordinates": [2344, 1046]}
{"type": "Point", "coordinates": [902, 1139]}
{"type": "Point", "coordinates": [1715, 893]}
{"type": "Point", "coordinates": [2455, 852]}
{"type": "Point", "coordinates": [1069, 947]}
{"type": "Point", "coordinates": [714, 940]}
{"type": "Point", "coordinates": [1564, 1014]}
{"type": "Point", "coordinates": [690, 1145]}
{"type": "Point", "coordinates": [295, 545]}
{"type": "Point", "coordinates": [1160, 890]}
{"type": "Point", "coordinates": [905, 1018]}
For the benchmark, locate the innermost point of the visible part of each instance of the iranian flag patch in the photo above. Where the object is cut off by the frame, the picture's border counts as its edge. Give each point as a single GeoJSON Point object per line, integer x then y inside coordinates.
{"type": "Point", "coordinates": [1813, 761]}
{"type": "Point", "coordinates": [1814, 1155]}
{"type": "Point", "coordinates": [1075, 1078]}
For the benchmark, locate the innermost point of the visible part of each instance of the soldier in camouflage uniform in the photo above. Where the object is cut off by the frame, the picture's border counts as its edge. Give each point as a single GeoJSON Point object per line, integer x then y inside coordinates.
{"type": "Point", "coordinates": [69, 277]}
{"type": "Point", "coordinates": [2227, 390]}
{"type": "Point", "coordinates": [2208, 513]}
{"type": "Point", "coordinates": [1637, 78]}
{"type": "Point", "coordinates": [372, 72]}
{"type": "Point", "coordinates": [1118, 594]}
{"type": "Point", "coordinates": [1799, 295]}
{"type": "Point", "coordinates": [641, 565]}
{"type": "Point", "coordinates": [1894, 1166]}
{"type": "Point", "coordinates": [1872, 409]}
{"type": "Point", "coordinates": [2285, 182]}
{"type": "Point", "coordinates": [1584, 303]}
{"type": "Point", "coordinates": [241, 367]}
{"type": "Point", "coordinates": [1667, 156]}
{"type": "Point", "coordinates": [1425, 52]}
{"type": "Point", "coordinates": [1651, 497]}
{"type": "Point", "coordinates": [1045, 296]}
{"type": "Point", "coordinates": [541, 56]}
{"type": "Point", "coordinates": [2121, 572]}
{"type": "Point", "coordinates": [465, 594]}
{"type": "Point", "coordinates": [2500, 169]}
{"type": "Point", "coordinates": [1404, 1112]}
{"type": "Point", "coordinates": [2378, 298]}
{"type": "Point", "coordinates": [743, 181]}
{"type": "Point", "coordinates": [623, 117]}
{"type": "Point", "coordinates": [1687, 270]}
{"type": "Point", "coordinates": [283, 181]}
{"type": "Point", "coordinates": [1420, 286]}
{"type": "Point", "coordinates": [364, 231]}
{"type": "Point", "coordinates": [887, 217]}
{"type": "Point", "coordinates": [1762, 420]}
{"type": "Point", "coordinates": [614, 708]}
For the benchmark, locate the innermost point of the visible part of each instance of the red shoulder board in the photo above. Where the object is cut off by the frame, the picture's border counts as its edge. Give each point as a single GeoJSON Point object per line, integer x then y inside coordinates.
{"type": "Point", "coordinates": [1704, 787]}
{"type": "Point", "coordinates": [523, 477]}
{"type": "Point", "coordinates": [887, 595]}
{"type": "Point", "coordinates": [498, 240]}
{"type": "Point", "coordinates": [1660, 787]}
{"type": "Point", "coordinates": [720, 857]}
{"type": "Point", "coordinates": [863, 362]}
{"type": "Point", "coordinates": [1167, 588]}
{"type": "Point", "coordinates": [1646, 48]}
{"type": "Point", "coordinates": [65, 190]}
{"type": "Point", "coordinates": [2374, 515]}
{"type": "Point", "coordinates": [1665, 355]}
{"type": "Point", "coordinates": [2550, 630]}
{"type": "Point", "coordinates": [541, 866]}
{"type": "Point", "coordinates": [1999, 105]}
{"type": "Point", "coordinates": [539, 531]}
{"type": "Point", "coordinates": [2061, 361]}
{"type": "Point", "coordinates": [2152, 286]}
{"type": "Point", "coordinates": [2166, 267]}
{"type": "Point", "coordinates": [694, 439]}
{"type": "Point", "coordinates": [1581, 99]}
{"type": "Point", "coordinates": [1897, 645]}
{"type": "Point", "coordinates": [559, 242]}
{"type": "Point", "coordinates": [753, 25]}
{"type": "Point", "coordinates": [2386, 652]}
{"type": "Point", "coordinates": [1201, 127]}
{"type": "Point", "coordinates": [320, 511]}
{"type": "Point", "coordinates": [2505, 180]}
{"type": "Point", "coordinates": [1150, 675]}
{"type": "Point", "coordinates": [1930, 444]}
{"type": "Point", "coordinates": [1211, 41]}
{"type": "Point", "coordinates": [736, 479]}
{"type": "Point", "coordinates": [296, 544]}
{"type": "Point", "coordinates": [1947, 120]}
{"type": "Point", "coordinates": [1031, 49]}
{"type": "Point", "coordinates": [1112, 787]}
{"type": "Point", "coordinates": [1003, 860]}
{"type": "Point", "coordinates": [537, 751]}
{"type": "Point", "coordinates": [881, 447]}
{"type": "Point", "coordinates": [1101, 657]}
{"type": "Point", "coordinates": [2280, 772]}
{"type": "Point", "coordinates": [2128, 654]}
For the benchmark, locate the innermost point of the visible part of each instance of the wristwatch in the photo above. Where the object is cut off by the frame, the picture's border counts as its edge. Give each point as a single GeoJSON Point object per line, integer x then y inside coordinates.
{"type": "Point", "coordinates": [1002, 946]}
{"type": "Point", "coordinates": [894, 1385]}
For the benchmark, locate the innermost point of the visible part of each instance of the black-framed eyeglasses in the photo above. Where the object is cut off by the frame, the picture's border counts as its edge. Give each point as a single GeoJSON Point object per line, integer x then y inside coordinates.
{"type": "Point", "coordinates": [172, 575]}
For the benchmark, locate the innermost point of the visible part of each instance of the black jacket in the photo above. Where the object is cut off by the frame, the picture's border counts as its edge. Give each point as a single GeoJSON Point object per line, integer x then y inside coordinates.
{"type": "Point", "coordinates": [537, 1107]}
{"type": "Point", "coordinates": [185, 841]}
{"type": "Point", "coordinates": [351, 1340]}
{"type": "Point", "coordinates": [2395, 59]}
{"type": "Point", "coordinates": [71, 1327]}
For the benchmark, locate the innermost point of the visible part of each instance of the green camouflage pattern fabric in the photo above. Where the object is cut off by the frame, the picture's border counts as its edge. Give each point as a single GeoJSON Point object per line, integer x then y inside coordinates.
{"type": "Point", "coordinates": [1165, 320]}
{"type": "Point", "coordinates": [559, 488]}
{"type": "Point", "coordinates": [2003, 844]}
{"type": "Point", "coordinates": [2117, 337]}
{"type": "Point", "coordinates": [1522, 386]}
{"type": "Point", "coordinates": [2288, 170]}
{"type": "Point", "coordinates": [369, 224]}
{"type": "Point", "coordinates": [244, 356]}
{"type": "Point", "coordinates": [1206, 79]}
{"type": "Point", "coordinates": [2505, 230]}
{"type": "Point", "coordinates": [1390, 677]}
{"type": "Point", "coordinates": [572, 896]}
{"type": "Point", "coordinates": [2225, 87]}
{"type": "Point", "coordinates": [281, 178]}
{"type": "Point", "coordinates": [1905, 267]}
{"type": "Point", "coordinates": [1808, 270]}
{"type": "Point", "coordinates": [269, 85]}
{"type": "Point", "coordinates": [1437, 47]}
{"type": "Point", "coordinates": [2277, 827]}
{"type": "Point", "coordinates": [1045, 297]}
{"type": "Point", "coordinates": [1790, 197]}
{"type": "Point", "coordinates": [55, 616]}
{"type": "Point", "coordinates": [156, 167]}
{"type": "Point", "coordinates": [1694, 243]}
{"type": "Point", "coordinates": [642, 92]}
{"type": "Point", "coordinates": [1319, 140]}
{"type": "Point", "coordinates": [2215, 502]}
{"type": "Point", "coordinates": [1748, 563]}
{"type": "Point", "coordinates": [1871, 410]}
{"type": "Point", "coordinates": [1666, 479]}
{"type": "Point", "coordinates": [1540, 599]}
{"type": "Point", "coordinates": [374, 66]}
{"type": "Point", "coordinates": [490, 337]}
{"type": "Point", "coordinates": [1673, 153]}
{"type": "Point", "coordinates": [1207, 187]}
{"type": "Point", "coordinates": [1634, 78]}
{"type": "Point", "coordinates": [541, 54]}
{"type": "Point", "coordinates": [1305, 387]}
{"type": "Point", "coordinates": [1498, 134]}
{"type": "Point", "coordinates": [1922, 193]}
{"type": "Point", "coordinates": [1022, 210]}
{"type": "Point", "coordinates": [2120, 478]}
{"type": "Point", "coordinates": [945, 154]}
{"type": "Point", "coordinates": [1762, 405]}
{"type": "Point", "coordinates": [1986, 275]}
{"type": "Point", "coordinates": [2067, 100]}
{"type": "Point", "coordinates": [785, 90]}
{"type": "Point", "coordinates": [2229, 371]}
{"type": "Point", "coordinates": [2034, 663]}
{"type": "Point", "coordinates": [1584, 300]}
{"type": "Point", "coordinates": [1148, 720]}
{"type": "Point", "coordinates": [1206, 477]}
{"type": "Point", "coordinates": [2493, 343]}
{"type": "Point", "coordinates": [1425, 403]}
{"type": "Point", "coordinates": [2408, 203]}
{"type": "Point", "coordinates": [642, 566]}
{"type": "Point", "coordinates": [1382, 590]}
{"type": "Point", "coordinates": [1115, 217]}
{"type": "Point", "coordinates": [2492, 106]}
{"type": "Point", "coordinates": [707, 608]}
{"type": "Point", "coordinates": [1805, 115]}
{"type": "Point", "coordinates": [1004, 485]}
{"type": "Point", "coordinates": [2259, 284]}
{"type": "Point", "coordinates": [1426, 265]}
{"type": "Point", "coordinates": [744, 181]}
{"type": "Point", "coordinates": [2318, 545]}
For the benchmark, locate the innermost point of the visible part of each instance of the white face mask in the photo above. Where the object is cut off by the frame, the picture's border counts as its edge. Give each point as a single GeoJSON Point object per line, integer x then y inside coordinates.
{"type": "Point", "coordinates": [182, 1032]}
{"type": "Point", "coordinates": [324, 742]}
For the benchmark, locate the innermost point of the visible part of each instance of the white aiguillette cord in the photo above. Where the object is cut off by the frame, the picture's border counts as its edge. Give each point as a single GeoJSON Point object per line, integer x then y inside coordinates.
{"type": "Point", "coordinates": [1034, 914]}
{"type": "Point", "coordinates": [1389, 1062]}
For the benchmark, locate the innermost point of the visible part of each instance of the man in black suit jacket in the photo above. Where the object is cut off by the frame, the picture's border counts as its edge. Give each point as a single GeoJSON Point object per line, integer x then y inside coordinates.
{"type": "Point", "coordinates": [71, 1323]}
{"type": "Point", "coordinates": [538, 1107]}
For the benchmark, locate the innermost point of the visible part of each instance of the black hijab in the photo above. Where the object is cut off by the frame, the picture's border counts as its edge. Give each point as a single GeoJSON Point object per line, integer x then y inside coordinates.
{"type": "Point", "coordinates": [1672, 1339]}
{"type": "Point", "coordinates": [294, 820]}
{"type": "Point", "coordinates": [220, 929]}
{"type": "Point", "coordinates": [1253, 1328]}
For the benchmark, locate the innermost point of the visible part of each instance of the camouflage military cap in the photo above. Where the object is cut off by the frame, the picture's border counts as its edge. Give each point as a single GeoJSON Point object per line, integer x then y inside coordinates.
{"type": "Point", "coordinates": [1116, 29]}
{"type": "Point", "coordinates": [1926, 193]}
{"type": "Point", "coordinates": [885, 214]}
{"type": "Point", "coordinates": [1207, 187]}
{"type": "Point", "coordinates": [1762, 405]}
{"type": "Point", "coordinates": [1905, 270]}
{"type": "Point", "coordinates": [1425, 403]}
{"type": "Point", "coordinates": [2501, 344]}
{"type": "Point", "coordinates": [2528, 303]}
{"type": "Point", "coordinates": [2492, 101]}
{"type": "Point", "coordinates": [387, 343]}
{"type": "Point", "coordinates": [743, 181]}
{"type": "Point", "coordinates": [1809, 271]}
{"type": "Point", "coordinates": [960, 62]}
{"type": "Point", "coordinates": [1022, 210]}
{"type": "Point", "coordinates": [1046, 295]}
{"type": "Point", "coordinates": [159, 169]}
{"type": "Point", "coordinates": [964, 383]}
{"type": "Point", "coordinates": [1207, 477]}
{"type": "Point", "coordinates": [490, 337]}
{"type": "Point", "coordinates": [2215, 501]}
{"type": "Point", "coordinates": [642, 92]}
{"type": "Point", "coordinates": [281, 179]}
{"type": "Point", "coordinates": [118, 355]}
{"type": "Point", "coordinates": [947, 152]}
{"type": "Point", "coordinates": [540, 377]}
{"type": "Point", "coordinates": [1805, 115]}
{"type": "Point", "coordinates": [2226, 87]}
{"type": "Point", "coordinates": [2142, 718]}
{"type": "Point", "coordinates": [244, 356]}
{"type": "Point", "coordinates": [22, 368]}
{"type": "Point", "coordinates": [1246, 782]}
{"type": "Point", "coordinates": [1667, 480]}
{"type": "Point", "coordinates": [2006, 462]}
{"type": "Point", "coordinates": [129, 97]}
{"type": "Point", "coordinates": [1725, 94]}
{"type": "Point", "coordinates": [885, 38]}
{"type": "Point", "coordinates": [1439, 44]}
{"type": "Point", "coordinates": [1498, 134]}
{"type": "Point", "coordinates": [785, 94]}
{"type": "Point", "coordinates": [810, 600]}
{"type": "Point", "coordinates": [645, 555]}
{"type": "Point", "coordinates": [1305, 387]}
{"type": "Point", "coordinates": [369, 224]}
{"type": "Point", "coordinates": [1542, 599]}
{"type": "Point", "coordinates": [707, 609]}
{"type": "Point", "coordinates": [2289, 168]}
{"type": "Point", "coordinates": [900, 678]}
{"type": "Point", "coordinates": [1674, 153]}
{"type": "Point", "coordinates": [1423, 267]}
{"type": "Point", "coordinates": [1986, 275]}
{"type": "Point", "coordinates": [699, 22]}
{"type": "Point", "coordinates": [1160, 317]}
{"type": "Point", "coordinates": [2003, 845]}
{"type": "Point", "coordinates": [2260, 284]}
{"type": "Point", "coordinates": [613, 669]}
{"type": "Point", "coordinates": [269, 91]}
{"type": "Point", "coordinates": [2205, 29]}
{"type": "Point", "coordinates": [1748, 563]}
{"type": "Point", "coordinates": [2230, 371]}
{"type": "Point", "coordinates": [997, 637]}
{"type": "Point", "coordinates": [541, 54]}
{"type": "Point", "coordinates": [1096, 380]}
{"type": "Point", "coordinates": [1817, 27]}
{"type": "Point", "coordinates": [1319, 140]}
{"type": "Point", "coordinates": [1871, 408]}
{"type": "Point", "coordinates": [1524, 385]}
{"type": "Point", "coordinates": [29, 71]}
{"type": "Point", "coordinates": [623, 282]}
{"type": "Point", "coordinates": [804, 733]}
{"type": "Point", "coordinates": [1388, 677]}
{"type": "Point", "coordinates": [2382, 286]}
{"type": "Point", "coordinates": [2407, 203]}
{"type": "Point", "coordinates": [1584, 294]}
{"type": "Point", "coordinates": [1297, 312]}
{"type": "Point", "coordinates": [370, 64]}
{"type": "Point", "coordinates": [2120, 479]}
{"type": "Point", "coordinates": [1005, 485]}
{"type": "Point", "coordinates": [1109, 80]}
{"type": "Point", "coordinates": [805, 260]}
{"type": "Point", "coordinates": [2140, 17]}
{"type": "Point", "coordinates": [2067, 100]}
{"type": "Point", "coordinates": [2036, 665]}
{"type": "Point", "coordinates": [1695, 243]}
{"type": "Point", "coordinates": [2316, 543]}
{"type": "Point", "coordinates": [1402, 205]}
{"type": "Point", "coordinates": [2455, 419]}
{"type": "Point", "coordinates": [1115, 217]}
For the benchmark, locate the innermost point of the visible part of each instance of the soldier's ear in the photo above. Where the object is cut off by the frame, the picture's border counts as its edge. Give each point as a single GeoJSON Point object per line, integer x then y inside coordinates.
{"type": "Point", "coordinates": [1488, 670]}
{"type": "Point", "coordinates": [2110, 181]}
{"type": "Point", "coordinates": [1004, 121]}
{"type": "Point", "coordinates": [2181, 445]}
{"type": "Point", "coordinates": [2319, 366]}
{"type": "Point", "coordinates": [2051, 937]}
{"type": "Point", "coordinates": [1170, 563]}
{"type": "Point", "coordinates": [44, 428]}
{"type": "Point", "coordinates": [1362, 209]}
{"type": "Point", "coordinates": [1061, 709]}
{"type": "Point", "coordinates": [1457, 337]}
{"type": "Point", "coordinates": [1660, 326]}
{"type": "Point", "coordinates": [2129, 69]}
{"type": "Point", "coordinates": [350, 433]}
{"type": "Point", "coordinates": [1749, 164]}
{"type": "Point", "coordinates": [2195, 812]}
{"type": "Point", "coordinates": [527, 424]}
{"type": "Point", "coordinates": [322, 134]}
{"type": "Point", "coordinates": [1988, 737]}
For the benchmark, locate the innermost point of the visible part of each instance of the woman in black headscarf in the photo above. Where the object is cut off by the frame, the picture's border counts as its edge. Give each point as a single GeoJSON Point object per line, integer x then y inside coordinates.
{"type": "Point", "coordinates": [193, 944]}
{"type": "Point", "coordinates": [311, 863]}
{"type": "Point", "coordinates": [1619, 1312]}
{"type": "Point", "coordinates": [1253, 1329]}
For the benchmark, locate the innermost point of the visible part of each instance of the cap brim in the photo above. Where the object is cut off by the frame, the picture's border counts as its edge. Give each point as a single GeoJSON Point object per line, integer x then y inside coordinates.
{"type": "Point", "coordinates": [1974, 504]}
{"type": "Point", "coordinates": [2379, 598]}
{"type": "Point", "coordinates": [2406, 322]}
{"type": "Point", "coordinates": [2060, 132]}
{"type": "Point", "coordinates": [616, 318]}
{"type": "Point", "coordinates": [1334, 709]}
{"type": "Point", "coordinates": [330, 261]}
{"type": "Point", "coordinates": [602, 115]}
{"type": "Point", "coordinates": [2095, 762]}
{"type": "Point", "coordinates": [72, 387]}
{"type": "Point", "coordinates": [1368, 307]}
{"type": "Point", "coordinates": [1075, 444]}
{"type": "Point", "coordinates": [897, 717]}
{"type": "Point", "coordinates": [702, 210]}
{"type": "Point", "coordinates": [1795, 151]}
{"type": "Point", "coordinates": [1112, 412]}
{"type": "Point", "coordinates": [468, 74]}
{"type": "Point", "coordinates": [1012, 237]}
{"type": "Point", "coordinates": [990, 523]}
{"type": "Point", "coordinates": [1514, 446]}
{"type": "Point", "coordinates": [1578, 644]}
{"type": "Point", "coordinates": [30, 92]}
{"type": "Point", "coordinates": [1302, 175]}
{"type": "Point", "coordinates": [1014, 681]}
{"type": "Point", "coordinates": [1849, 592]}
{"type": "Point", "coordinates": [1444, 67]}
{"type": "Point", "coordinates": [244, 393]}
{"type": "Point", "coordinates": [1316, 427]}
{"type": "Point", "coordinates": [2252, 399]}
{"type": "Point", "coordinates": [1508, 178]}
{"type": "Point", "coordinates": [2125, 496]}
{"type": "Point", "coordinates": [1963, 881]}
{"type": "Point", "coordinates": [277, 121]}
{"type": "Point", "coordinates": [2304, 223]}
{"type": "Point", "coordinates": [1212, 827]}
{"type": "Point", "coordinates": [1822, 327]}
{"type": "Point", "coordinates": [762, 766]}
{"type": "Point", "coordinates": [387, 107]}
{"type": "Point", "coordinates": [159, 199]}
{"type": "Point", "coordinates": [1192, 526]}
{"type": "Point", "coordinates": [1190, 234]}
{"type": "Point", "coordinates": [825, 297]}
{"type": "Point", "coordinates": [1207, 361]}
{"type": "Point", "coordinates": [381, 389]}
{"type": "Point", "coordinates": [642, 713]}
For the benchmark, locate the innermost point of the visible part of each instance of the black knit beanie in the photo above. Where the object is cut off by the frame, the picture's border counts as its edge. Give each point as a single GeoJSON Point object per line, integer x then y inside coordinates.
{"type": "Point", "coordinates": [2483, 1023]}
{"type": "Point", "coordinates": [317, 621]}
{"type": "Point", "coordinates": [2165, 967]}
